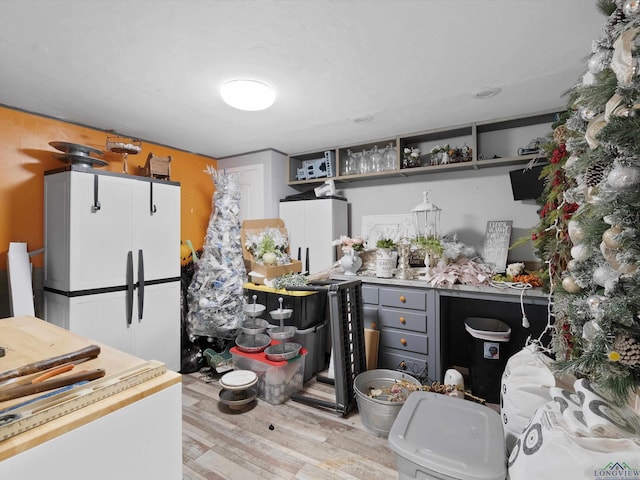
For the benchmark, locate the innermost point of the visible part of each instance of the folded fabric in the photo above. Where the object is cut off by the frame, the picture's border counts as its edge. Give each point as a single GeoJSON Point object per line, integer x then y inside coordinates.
{"type": "Point", "coordinates": [602, 417]}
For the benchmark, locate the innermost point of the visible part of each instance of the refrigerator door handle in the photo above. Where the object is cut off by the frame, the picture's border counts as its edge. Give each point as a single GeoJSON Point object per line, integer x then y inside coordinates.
{"type": "Point", "coordinates": [129, 287]}
{"type": "Point", "coordinates": [152, 208]}
{"type": "Point", "coordinates": [96, 203]}
{"type": "Point", "coordinates": [140, 284]}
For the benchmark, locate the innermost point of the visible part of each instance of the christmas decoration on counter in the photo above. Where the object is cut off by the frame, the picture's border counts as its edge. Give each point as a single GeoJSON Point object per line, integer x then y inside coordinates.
{"type": "Point", "coordinates": [593, 213]}
{"type": "Point", "coordinates": [215, 294]}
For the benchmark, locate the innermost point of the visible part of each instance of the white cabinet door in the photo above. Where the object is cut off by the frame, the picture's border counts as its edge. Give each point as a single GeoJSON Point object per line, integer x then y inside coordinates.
{"type": "Point", "coordinates": [103, 317]}
{"type": "Point", "coordinates": [100, 230]}
{"type": "Point", "coordinates": [314, 225]}
{"type": "Point", "coordinates": [156, 336]}
{"type": "Point", "coordinates": [156, 229]}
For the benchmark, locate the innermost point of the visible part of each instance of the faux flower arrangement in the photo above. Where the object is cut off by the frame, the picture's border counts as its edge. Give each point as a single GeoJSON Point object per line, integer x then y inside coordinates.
{"type": "Point", "coordinates": [347, 243]}
{"type": "Point", "coordinates": [269, 247]}
{"type": "Point", "coordinates": [516, 273]}
{"type": "Point", "coordinates": [410, 157]}
{"type": "Point", "coordinates": [437, 149]}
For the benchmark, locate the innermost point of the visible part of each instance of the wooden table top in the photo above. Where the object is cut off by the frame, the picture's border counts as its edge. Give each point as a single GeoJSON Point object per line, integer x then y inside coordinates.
{"type": "Point", "coordinates": [29, 339]}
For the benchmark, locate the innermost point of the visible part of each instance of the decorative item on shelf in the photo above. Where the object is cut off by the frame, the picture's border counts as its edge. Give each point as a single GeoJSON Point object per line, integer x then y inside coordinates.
{"type": "Point", "coordinates": [124, 146]}
{"type": "Point", "coordinates": [460, 154]}
{"type": "Point", "coordinates": [350, 261]}
{"type": "Point", "coordinates": [389, 157]}
{"type": "Point", "coordinates": [157, 167]}
{"type": "Point", "coordinates": [533, 148]}
{"type": "Point", "coordinates": [386, 257]}
{"type": "Point", "coordinates": [440, 155]}
{"type": "Point", "coordinates": [79, 155]}
{"type": "Point", "coordinates": [410, 157]}
{"type": "Point", "coordinates": [426, 222]}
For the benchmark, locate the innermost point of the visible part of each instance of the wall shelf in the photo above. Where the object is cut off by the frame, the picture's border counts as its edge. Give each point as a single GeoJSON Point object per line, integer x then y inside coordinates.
{"type": "Point", "coordinates": [494, 143]}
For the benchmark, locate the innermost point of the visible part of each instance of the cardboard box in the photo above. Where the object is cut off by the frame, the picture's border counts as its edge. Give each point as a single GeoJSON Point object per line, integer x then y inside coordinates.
{"type": "Point", "coordinates": [253, 227]}
{"type": "Point", "coordinates": [268, 272]}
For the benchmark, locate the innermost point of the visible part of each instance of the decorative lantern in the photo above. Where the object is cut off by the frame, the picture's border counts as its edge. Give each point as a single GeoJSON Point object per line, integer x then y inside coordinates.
{"type": "Point", "coordinates": [426, 219]}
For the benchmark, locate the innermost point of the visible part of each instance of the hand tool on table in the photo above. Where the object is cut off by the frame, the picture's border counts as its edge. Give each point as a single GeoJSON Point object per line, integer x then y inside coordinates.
{"type": "Point", "coordinates": [92, 351]}
{"type": "Point", "coordinates": [42, 386]}
{"type": "Point", "coordinates": [38, 376]}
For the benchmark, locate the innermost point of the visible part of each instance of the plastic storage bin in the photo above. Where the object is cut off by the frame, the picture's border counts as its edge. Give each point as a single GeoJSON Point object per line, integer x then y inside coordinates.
{"type": "Point", "coordinates": [308, 307]}
{"type": "Point", "coordinates": [436, 436]}
{"type": "Point", "coordinates": [314, 340]}
{"type": "Point", "coordinates": [277, 381]}
{"type": "Point", "coordinates": [488, 349]}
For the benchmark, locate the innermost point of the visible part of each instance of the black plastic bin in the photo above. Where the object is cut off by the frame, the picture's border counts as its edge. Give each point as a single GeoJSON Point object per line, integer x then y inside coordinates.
{"type": "Point", "coordinates": [488, 348]}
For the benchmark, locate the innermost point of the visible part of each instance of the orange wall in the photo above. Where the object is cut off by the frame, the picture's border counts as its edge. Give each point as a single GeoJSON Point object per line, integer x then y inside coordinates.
{"type": "Point", "coordinates": [25, 154]}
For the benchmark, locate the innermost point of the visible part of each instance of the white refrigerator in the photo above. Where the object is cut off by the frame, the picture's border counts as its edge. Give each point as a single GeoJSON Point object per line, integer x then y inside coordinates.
{"type": "Point", "coordinates": [313, 225]}
{"type": "Point", "coordinates": [112, 260]}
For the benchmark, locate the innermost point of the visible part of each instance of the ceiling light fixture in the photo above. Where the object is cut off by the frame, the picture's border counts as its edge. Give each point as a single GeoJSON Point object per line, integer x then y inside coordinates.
{"type": "Point", "coordinates": [486, 93]}
{"type": "Point", "coordinates": [249, 95]}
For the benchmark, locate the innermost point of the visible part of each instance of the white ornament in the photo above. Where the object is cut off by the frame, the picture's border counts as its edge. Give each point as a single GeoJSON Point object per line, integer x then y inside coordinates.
{"type": "Point", "coordinates": [631, 8]}
{"type": "Point", "coordinates": [590, 329]}
{"type": "Point", "coordinates": [580, 252]}
{"type": "Point", "coordinates": [586, 113]}
{"type": "Point", "coordinates": [611, 237]}
{"type": "Point", "coordinates": [572, 264]}
{"type": "Point", "coordinates": [576, 232]}
{"type": "Point", "coordinates": [570, 285]}
{"type": "Point", "coordinates": [588, 79]}
{"type": "Point", "coordinates": [622, 177]}
{"type": "Point", "coordinates": [597, 61]}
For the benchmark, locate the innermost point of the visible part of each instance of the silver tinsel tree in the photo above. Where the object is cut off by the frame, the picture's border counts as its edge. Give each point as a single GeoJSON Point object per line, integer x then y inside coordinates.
{"type": "Point", "coordinates": [215, 294]}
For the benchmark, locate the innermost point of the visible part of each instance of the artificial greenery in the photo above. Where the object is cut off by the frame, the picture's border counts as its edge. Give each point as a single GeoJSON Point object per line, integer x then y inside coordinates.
{"type": "Point", "coordinates": [385, 243]}
{"type": "Point", "coordinates": [430, 244]}
{"type": "Point", "coordinates": [593, 181]}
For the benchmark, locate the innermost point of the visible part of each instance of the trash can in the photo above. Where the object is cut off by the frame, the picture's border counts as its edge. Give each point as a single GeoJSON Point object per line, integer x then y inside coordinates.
{"type": "Point", "coordinates": [488, 349]}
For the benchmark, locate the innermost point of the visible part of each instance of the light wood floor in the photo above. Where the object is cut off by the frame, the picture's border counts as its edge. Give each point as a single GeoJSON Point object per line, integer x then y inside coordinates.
{"type": "Point", "coordinates": [287, 441]}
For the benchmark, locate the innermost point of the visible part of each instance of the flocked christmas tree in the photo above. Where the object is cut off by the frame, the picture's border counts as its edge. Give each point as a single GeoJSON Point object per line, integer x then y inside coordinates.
{"type": "Point", "coordinates": [215, 294]}
{"type": "Point", "coordinates": [598, 297]}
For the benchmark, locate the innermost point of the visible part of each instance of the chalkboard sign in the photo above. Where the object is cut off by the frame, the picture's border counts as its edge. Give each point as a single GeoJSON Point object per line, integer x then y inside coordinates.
{"type": "Point", "coordinates": [496, 244]}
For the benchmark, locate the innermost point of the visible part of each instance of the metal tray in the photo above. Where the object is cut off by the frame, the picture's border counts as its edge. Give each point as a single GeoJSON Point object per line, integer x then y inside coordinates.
{"type": "Point", "coordinates": [281, 333]}
{"type": "Point", "coordinates": [254, 326]}
{"type": "Point", "coordinates": [81, 160]}
{"type": "Point", "coordinates": [282, 351]}
{"type": "Point", "coordinates": [75, 149]}
{"type": "Point", "coordinates": [253, 343]}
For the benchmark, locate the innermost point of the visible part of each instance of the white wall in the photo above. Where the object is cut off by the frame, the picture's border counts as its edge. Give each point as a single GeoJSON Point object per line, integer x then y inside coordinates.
{"type": "Point", "coordinates": [468, 200]}
{"type": "Point", "coordinates": [276, 171]}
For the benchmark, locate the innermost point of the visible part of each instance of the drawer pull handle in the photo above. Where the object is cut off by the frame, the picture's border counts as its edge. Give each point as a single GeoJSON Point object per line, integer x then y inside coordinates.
{"type": "Point", "coordinates": [403, 341]}
{"type": "Point", "coordinates": [403, 299]}
{"type": "Point", "coordinates": [403, 320]}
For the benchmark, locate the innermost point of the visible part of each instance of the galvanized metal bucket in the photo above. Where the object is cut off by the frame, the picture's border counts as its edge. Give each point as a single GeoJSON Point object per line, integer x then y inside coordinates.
{"type": "Point", "coordinates": [378, 415]}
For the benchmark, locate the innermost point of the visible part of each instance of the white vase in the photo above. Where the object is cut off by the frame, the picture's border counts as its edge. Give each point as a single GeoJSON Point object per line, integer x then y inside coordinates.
{"type": "Point", "coordinates": [269, 258]}
{"type": "Point", "coordinates": [386, 260]}
{"type": "Point", "coordinates": [351, 262]}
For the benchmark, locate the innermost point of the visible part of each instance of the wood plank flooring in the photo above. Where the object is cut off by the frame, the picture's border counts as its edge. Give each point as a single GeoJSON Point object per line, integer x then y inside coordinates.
{"type": "Point", "coordinates": [287, 441]}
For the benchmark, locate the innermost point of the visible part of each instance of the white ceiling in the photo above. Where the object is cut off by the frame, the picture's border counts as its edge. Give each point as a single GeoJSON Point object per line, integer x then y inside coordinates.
{"type": "Point", "coordinates": [152, 69]}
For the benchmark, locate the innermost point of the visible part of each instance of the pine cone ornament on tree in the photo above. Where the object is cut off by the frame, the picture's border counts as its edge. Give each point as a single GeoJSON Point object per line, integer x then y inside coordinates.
{"type": "Point", "coordinates": [594, 174]}
{"type": "Point", "coordinates": [628, 348]}
{"type": "Point", "coordinates": [616, 17]}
